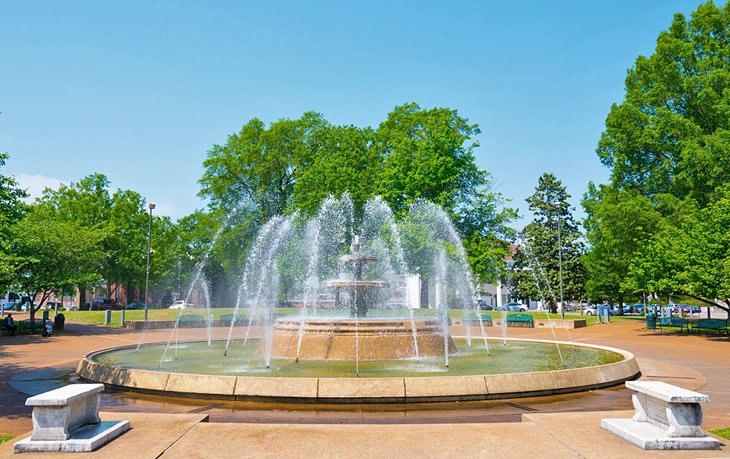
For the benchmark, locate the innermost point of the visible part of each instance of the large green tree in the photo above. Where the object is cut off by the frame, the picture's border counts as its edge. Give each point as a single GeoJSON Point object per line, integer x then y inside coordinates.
{"type": "Point", "coordinates": [618, 223]}
{"type": "Point", "coordinates": [121, 217]}
{"type": "Point", "coordinates": [668, 147]}
{"type": "Point", "coordinates": [56, 256]}
{"type": "Point", "coordinates": [12, 209]}
{"type": "Point", "coordinates": [691, 257]}
{"type": "Point", "coordinates": [256, 170]}
{"type": "Point", "coordinates": [551, 244]}
{"type": "Point", "coordinates": [414, 154]}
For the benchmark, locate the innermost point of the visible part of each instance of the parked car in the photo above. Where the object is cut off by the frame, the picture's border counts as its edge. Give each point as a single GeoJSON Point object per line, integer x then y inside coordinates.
{"type": "Point", "coordinates": [513, 307]}
{"type": "Point", "coordinates": [687, 309]}
{"type": "Point", "coordinates": [484, 306]}
{"type": "Point", "coordinates": [592, 310]}
{"type": "Point", "coordinates": [10, 306]}
{"type": "Point", "coordinates": [634, 308]}
{"type": "Point", "coordinates": [180, 304]}
{"type": "Point", "coordinates": [132, 306]}
{"type": "Point", "coordinates": [101, 304]}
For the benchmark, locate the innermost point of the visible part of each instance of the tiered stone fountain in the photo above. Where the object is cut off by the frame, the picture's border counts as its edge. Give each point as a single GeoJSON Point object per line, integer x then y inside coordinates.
{"type": "Point", "coordinates": [358, 337]}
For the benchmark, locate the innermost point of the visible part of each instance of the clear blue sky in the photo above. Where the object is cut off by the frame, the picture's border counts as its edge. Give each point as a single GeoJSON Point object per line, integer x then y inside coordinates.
{"type": "Point", "coordinates": [140, 90]}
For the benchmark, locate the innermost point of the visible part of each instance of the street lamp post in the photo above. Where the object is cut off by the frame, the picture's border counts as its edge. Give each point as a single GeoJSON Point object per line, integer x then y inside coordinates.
{"type": "Point", "coordinates": [560, 261]}
{"type": "Point", "coordinates": [150, 206]}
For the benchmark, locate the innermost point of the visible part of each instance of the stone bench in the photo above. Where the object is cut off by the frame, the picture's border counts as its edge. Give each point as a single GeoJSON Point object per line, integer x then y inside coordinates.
{"type": "Point", "coordinates": [67, 419]}
{"type": "Point", "coordinates": [61, 411]}
{"type": "Point", "coordinates": [667, 417]}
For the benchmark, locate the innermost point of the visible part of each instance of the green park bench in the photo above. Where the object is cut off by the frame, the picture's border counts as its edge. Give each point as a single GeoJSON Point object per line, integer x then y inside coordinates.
{"type": "Point", "coordinates": [717, 325]}
{"type": "Point", "coordinates": [473, 318]}
{"type": "Point", "coordinates": [520, 320]}
{"type": "Point", "coordinates": [666, 322]}
{"type": "Point", "coordinates": [227, 318]}
{"type": "Point", "coordinates": [192, 320]}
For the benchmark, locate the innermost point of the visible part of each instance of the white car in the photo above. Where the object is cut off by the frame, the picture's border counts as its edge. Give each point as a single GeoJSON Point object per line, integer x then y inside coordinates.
{"type": "Point", "coordinates": [180, 304]}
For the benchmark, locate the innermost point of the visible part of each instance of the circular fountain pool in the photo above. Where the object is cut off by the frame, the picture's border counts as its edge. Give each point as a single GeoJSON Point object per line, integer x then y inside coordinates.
{"type": "Point", "coordinates": [519, 368]}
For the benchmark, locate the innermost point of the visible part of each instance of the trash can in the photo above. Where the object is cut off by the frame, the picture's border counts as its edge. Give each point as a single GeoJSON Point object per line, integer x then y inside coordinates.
{"type": "Point", "coordinates": [58, 321]}
{"type": "Point", "coordinates": [651, 321]}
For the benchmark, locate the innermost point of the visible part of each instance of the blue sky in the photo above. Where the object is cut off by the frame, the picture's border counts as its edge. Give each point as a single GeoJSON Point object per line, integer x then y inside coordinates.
{"type": "Point", "coordinates": [140, 90]}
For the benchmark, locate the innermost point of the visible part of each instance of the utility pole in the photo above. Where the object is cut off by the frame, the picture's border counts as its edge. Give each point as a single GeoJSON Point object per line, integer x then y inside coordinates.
{"type": "Point", "coordinates": [560, 260]}
{"type": "Point", "coordinates": [151, 206]}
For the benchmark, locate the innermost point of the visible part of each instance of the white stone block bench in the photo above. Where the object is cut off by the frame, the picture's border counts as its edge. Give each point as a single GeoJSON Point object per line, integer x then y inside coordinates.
{"type": "Point", "coordinates": [67, 419]}
{"type": "Point", "coordinates": [667, 417]}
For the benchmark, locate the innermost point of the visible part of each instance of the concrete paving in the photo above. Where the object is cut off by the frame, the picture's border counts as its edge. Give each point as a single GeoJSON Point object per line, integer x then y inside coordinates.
{"type": "Point", "coordinates": [556, 426]}
{"type": "Point", "coordinates": [564, 435]}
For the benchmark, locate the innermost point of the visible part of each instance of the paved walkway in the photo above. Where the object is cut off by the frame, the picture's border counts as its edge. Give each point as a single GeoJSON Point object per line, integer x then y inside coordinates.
{"type": "Point", "coordinates": [696, 362]}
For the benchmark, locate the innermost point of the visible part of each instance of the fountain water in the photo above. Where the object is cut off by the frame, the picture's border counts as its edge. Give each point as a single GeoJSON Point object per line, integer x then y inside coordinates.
{"type": "Point", "coordinates": [348, 278]}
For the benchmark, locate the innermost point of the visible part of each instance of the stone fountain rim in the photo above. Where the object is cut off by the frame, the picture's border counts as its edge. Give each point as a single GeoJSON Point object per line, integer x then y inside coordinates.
{"type": "Point", "coordinates": [345, 390]}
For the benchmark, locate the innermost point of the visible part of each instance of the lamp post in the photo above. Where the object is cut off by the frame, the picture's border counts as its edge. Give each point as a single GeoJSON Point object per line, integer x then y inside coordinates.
{"type": "Point", "coordinates": [560, 261]}
{"type": "Point", "coordinates": [150, 206]}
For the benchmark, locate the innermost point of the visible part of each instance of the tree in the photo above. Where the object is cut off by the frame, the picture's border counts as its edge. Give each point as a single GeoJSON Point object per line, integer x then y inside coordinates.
{"type": "Point", "coordinates": [344, 161]}
{"type": "Point", "coordinates": [56, 256]}
{"type": "Point", "coordinates": [414, 154]}
{"type": "Point", "coordinates": [257, 168]}
{"type": "Point", "coordinates": [552, 235]}
{"type": "Point", "coordinates": [668, 147]}
{"type": "Point", "coordinates": [427, 155]}
{"type": "Point", "coordinates": [11, 211]}
{"type": "Point", "coordinates": [619, 222]}
{"type": "Point", "coordinates": [671, 134]}
{"type": "Point", "coordinates": [691, 258]}
{"type": "Point", "coordinates": [120, 217]}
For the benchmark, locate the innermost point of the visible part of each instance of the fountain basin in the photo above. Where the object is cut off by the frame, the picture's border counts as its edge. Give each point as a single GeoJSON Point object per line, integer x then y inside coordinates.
{"type": "Point", "coordinates": [428, 386]}
{"type": "Point", "coordinates": [366, 339]}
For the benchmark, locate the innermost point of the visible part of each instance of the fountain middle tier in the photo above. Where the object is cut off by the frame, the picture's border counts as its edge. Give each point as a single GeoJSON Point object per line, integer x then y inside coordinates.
{"type": "Point", "coordinates": [377, 339]}
{"type": "Point", "coordinates": [355, 283]}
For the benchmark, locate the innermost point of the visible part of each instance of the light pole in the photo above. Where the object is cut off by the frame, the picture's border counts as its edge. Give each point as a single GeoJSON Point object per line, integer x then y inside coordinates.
{"type": "Point", "coordinates": [150, 206]}
{"type": "Point", "coordinates": [560, 261]}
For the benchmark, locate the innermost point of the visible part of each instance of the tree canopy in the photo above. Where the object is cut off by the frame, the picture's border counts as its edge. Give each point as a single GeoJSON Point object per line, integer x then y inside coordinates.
{"type": "Point", "coordinates": [668, 148]}
{"type": "Point", "coordinates": [414, 154]}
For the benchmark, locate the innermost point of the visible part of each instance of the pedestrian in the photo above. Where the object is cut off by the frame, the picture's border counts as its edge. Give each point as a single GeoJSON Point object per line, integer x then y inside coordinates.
{"type": "Point", "coordinates": [9, 323]}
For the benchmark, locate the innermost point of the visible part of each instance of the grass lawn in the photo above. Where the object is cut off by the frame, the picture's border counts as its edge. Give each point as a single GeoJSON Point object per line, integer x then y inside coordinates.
{"type": "Point", "coordinates": [724, 433]}
{"type": "Point", "coordinates": [97, 317]}
{"type": "Point", "coordinates": [4, 438]}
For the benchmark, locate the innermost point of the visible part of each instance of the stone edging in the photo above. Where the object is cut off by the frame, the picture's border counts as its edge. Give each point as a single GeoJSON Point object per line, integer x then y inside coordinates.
{"type": "Point", "coordinates": [365, 390]}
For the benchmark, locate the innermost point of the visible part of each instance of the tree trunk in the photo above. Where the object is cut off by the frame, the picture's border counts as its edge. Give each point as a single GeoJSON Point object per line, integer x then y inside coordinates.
{"type": "Point", "coordinates": [424, 294]}
{"type": "Point", "coordinates": [620, 305]}
{"type": "Point", "coordinates": [553, 307]}
{"type": "Point", "coordinates": [710, 302]}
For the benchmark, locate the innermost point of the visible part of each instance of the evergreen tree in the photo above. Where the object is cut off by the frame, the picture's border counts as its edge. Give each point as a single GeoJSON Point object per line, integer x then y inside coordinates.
{"type": "Point", "coordinates": [550, 242]}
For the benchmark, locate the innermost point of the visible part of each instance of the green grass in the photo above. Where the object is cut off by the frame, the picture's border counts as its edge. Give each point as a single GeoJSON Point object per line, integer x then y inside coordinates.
{"type": "Point", "coordinates": [97, 317]}
{"type": "Point", "coordinates": [4, 438]}
{"type": "Point", "coordinates": [724, 433]}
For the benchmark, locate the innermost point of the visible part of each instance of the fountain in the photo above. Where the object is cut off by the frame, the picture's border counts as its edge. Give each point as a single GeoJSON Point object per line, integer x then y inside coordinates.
{"type": "Point", "coordinates": [357, 337]}
{"type": "Point", "coordinates": [354, 329]}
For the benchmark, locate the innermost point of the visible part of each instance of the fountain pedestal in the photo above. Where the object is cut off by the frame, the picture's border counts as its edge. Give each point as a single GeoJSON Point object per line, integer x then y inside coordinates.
{"type": "Point", "coordinates": [376, 339]}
